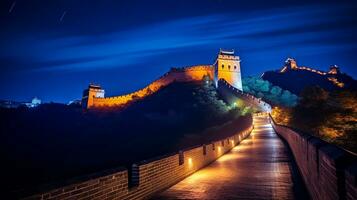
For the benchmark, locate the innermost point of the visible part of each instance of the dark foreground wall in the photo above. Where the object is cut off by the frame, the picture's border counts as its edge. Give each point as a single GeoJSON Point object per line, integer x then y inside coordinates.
{"type": "Point", "coordinates": [148, 177]}
{"type": "Point", "coordinates": [329, 172]}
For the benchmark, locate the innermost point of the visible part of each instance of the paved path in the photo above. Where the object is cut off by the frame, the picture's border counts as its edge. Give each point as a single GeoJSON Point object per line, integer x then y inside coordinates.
{"type": "Point", "coordinates": [259, 168]}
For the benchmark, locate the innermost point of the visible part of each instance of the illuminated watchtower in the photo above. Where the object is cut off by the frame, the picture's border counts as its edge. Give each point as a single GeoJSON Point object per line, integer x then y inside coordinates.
{"type": "Point", "coordinates": [334, 69]}
{"type": "Point", "coordinates": [90, 93]}
{"type": "Point", "coordinates": [227, 67]}
{"type": "Point", "coordinates": [291, 63]}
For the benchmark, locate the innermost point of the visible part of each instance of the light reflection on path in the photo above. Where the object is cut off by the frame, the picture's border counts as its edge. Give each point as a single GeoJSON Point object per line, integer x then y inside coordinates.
{"type": "Point", "coordinates": [259, 168]}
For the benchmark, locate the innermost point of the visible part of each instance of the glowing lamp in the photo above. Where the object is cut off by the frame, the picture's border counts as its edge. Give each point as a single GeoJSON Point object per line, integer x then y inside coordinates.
{"type": "Point", "coordinates": [190, 162]}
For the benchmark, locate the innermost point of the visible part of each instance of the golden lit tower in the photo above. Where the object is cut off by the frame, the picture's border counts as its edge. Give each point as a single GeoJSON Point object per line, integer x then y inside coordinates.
{"type": "Point", "coordinates": [93, 91]}
{"type": "Point", "coordinates": [291, 63]}
{"type": "Point", "coordinates": [227, 67]}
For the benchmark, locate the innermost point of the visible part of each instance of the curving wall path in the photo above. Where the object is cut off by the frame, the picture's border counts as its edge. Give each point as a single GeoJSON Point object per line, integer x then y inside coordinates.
{"type": "Point", "coordinates": [187, 74]}
{"type": "Point", "coordinates": [147, 177]}
{"type": "Point", "coordinates": [261, 167]}
{"type": "Point", "coordinates": [329, 172]}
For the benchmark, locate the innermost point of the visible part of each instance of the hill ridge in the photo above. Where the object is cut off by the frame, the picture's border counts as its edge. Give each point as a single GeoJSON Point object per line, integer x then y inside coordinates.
{"type": "Point", "coordinates": [295, 78]}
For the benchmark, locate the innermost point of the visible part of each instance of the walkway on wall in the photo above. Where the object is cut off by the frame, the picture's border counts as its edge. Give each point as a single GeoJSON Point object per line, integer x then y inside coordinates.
{"type": "Point", "coordinates": [261, 167]}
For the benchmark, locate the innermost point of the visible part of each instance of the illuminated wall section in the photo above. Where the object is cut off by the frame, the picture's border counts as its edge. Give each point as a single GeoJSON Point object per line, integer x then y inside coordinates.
{"type": "Point", "coordinates": [152, 176]}
{"type": "Point", "coordinates": [187, 74]}
{"type": "Point", "coordinates": [227, 67]}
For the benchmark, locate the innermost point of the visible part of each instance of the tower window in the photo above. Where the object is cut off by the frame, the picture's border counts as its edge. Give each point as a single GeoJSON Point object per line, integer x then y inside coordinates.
{"type": "Point", "coordinates": [229, 67]}
{"type": "Point", "coordinates": [235, 67]}
{"type": "Point", "coordinates": [222, 66]}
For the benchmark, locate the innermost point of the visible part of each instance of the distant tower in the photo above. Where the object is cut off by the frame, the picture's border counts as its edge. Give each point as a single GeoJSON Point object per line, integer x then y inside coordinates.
{"type": "Point", "coordinates": [90, 93]}
{"type": "Point", "coordinates": [290, 63]}
{"type": "Point", "coordinates": [227, 67]}
{"type": "Point", "coordinates": [334, 70]}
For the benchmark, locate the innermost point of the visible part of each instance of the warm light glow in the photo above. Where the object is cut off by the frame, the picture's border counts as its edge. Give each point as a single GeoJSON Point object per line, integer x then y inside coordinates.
{"type": "Point", "coordinates": [281, 115]}
{"type": "Point", "coordinates": [219, 149]}
{"type": "Point", "coordinates": [190, 162]}
{"type": "Point", "coordinates": [232, 141]}
{"type": "Point", "coordinates": [228, 68]}
{"type": "Point", "coordinates": [336, 82]}
{"type": "Point", "coordinates": [293, 66]}
{"type": "Point", "coordinates": [283, 70]}
{"type": "Point", "coordinates": [193, 73]}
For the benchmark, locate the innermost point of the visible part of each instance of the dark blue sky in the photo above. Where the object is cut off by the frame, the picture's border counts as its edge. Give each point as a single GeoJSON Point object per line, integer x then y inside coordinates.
{"type": "Point", "coordinates": [53, 49]}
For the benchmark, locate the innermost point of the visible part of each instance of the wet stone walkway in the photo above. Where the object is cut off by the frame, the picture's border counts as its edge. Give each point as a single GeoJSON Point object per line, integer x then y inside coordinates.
{"type": "Point", "coordinates": [260, 167]}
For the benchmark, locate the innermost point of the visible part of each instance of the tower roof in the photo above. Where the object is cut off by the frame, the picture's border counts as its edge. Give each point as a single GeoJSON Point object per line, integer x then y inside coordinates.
{"type": "Point", "coordinates": [334, 66]}
{"type": "Point", "coordinates": [96, 86]}
{"type": "Point", "coordinates": [334, 69]}
{"type": "Point", "coordinates": [226, 52]}
{"type": "Point", "coordinates": [288, 60]}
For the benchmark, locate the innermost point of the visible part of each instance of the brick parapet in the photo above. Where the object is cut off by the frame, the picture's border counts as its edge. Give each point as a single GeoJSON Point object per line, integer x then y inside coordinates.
{"type": "Point", "coordinates": [328, 171]}
{"type": "Point", "coordinates": [233, 94]}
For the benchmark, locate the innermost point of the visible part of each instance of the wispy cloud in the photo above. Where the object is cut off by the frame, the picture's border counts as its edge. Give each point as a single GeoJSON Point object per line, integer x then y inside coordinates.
{"type": "Point", "coordinates": [256, 32]}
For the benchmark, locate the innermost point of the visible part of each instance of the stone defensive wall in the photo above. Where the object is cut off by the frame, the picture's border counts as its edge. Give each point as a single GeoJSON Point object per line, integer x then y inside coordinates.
{"type": "Point", "coordinates": [186, 74]}
{"type": "Point", "coordinates": [231, 94]}
{"type": "Point", "coordinates": [148, 177]}
{"type": "Point", "coordinates": [328, 171]}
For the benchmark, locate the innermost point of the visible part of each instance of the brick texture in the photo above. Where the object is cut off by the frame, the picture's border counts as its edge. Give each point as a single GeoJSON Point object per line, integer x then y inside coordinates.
{"type": "Point", "coordinates": [328, 171]}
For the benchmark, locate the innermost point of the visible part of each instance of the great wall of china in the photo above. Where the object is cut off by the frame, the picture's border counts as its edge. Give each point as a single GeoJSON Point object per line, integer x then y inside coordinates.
{"type": "Point", "coordinates": [328, 171]}
{"type": "Point", "coordinates": [231, 94]}
{"type": "Point", "coordinates": [186, 74]}
{"type": "Point", "coordinates": [290, 64]}
{"type": "Point", "coordinates": [147, 177]}
{"type": "Point", "coordinates": [226, 66]}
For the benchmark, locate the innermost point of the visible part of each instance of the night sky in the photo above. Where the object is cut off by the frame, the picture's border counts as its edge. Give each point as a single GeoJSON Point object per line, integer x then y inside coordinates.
{"type": "Point", "coordinates": [53, 48]}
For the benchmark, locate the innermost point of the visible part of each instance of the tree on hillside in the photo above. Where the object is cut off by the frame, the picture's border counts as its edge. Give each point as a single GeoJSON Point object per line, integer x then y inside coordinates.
{"type": "Point", "coordinates": [262, 85]}
{"type": "Point", "coordinates": [288, 98]}
{"type": "Point", "coordinates": [330, 116]}
{"type": "Point", "coordinates": [276, 91]}
{"type": "Point", "coordinates": [310, 111]}
{"type": "Point", "coordinates": [313, 97]}
{"type": "Point", "coordinates": [268, 92]}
